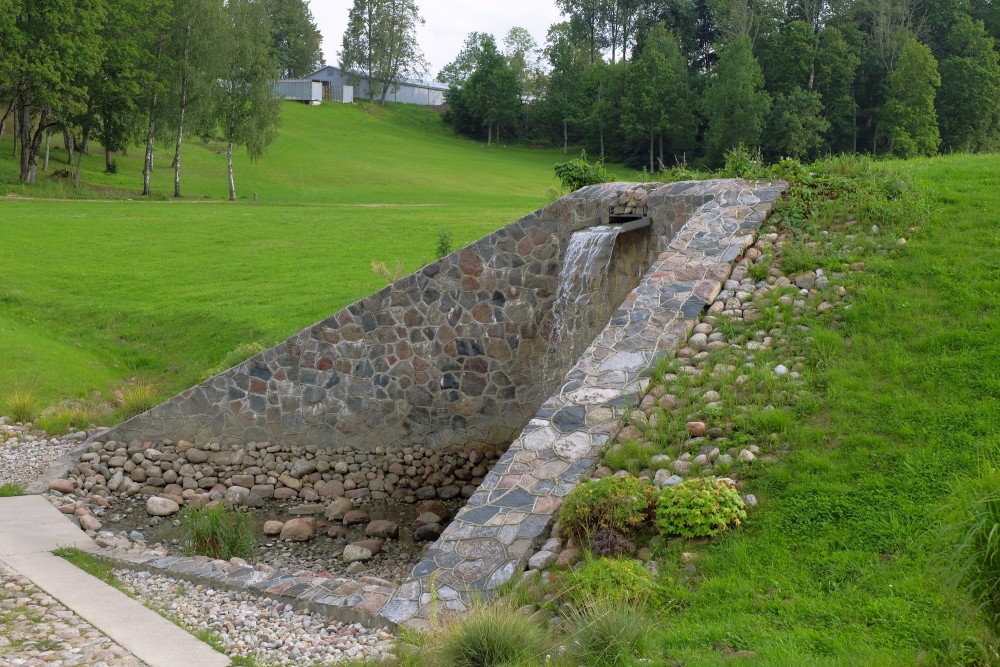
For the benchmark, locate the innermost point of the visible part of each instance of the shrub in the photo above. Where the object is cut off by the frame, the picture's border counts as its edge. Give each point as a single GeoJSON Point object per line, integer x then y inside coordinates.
{"type": "Point", "coordinates": [443, 244]}
{"type": "Point", "coordinates": [10, 490]}
{"type": "Point", "coordinates": [609, 634]}
{"type": "Point", "coordinates": [135, 397]}
{"type": "Point", "coordinates": [610, 542]}
{"type": "Point", "coordinates": [388, 275]}
{"type": "Point", "coordinates": [22, 406]}
{"type": "Point", "coordinates": [490, 636]}
{"type": "Point", "coordinates": [578, 173]}
{"type": "Point", "coordinates": [618, 580]}
{"type": "Point", "coordinates": [216, 532]}
{"type": "Point", "coordinates": [620, 503]}
{"type": "Point", "coordinates": [699, 508]}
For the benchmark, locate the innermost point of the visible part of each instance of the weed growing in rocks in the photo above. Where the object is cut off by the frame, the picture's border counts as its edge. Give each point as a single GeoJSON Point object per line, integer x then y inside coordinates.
{"type": "Point", "coordinates": [607, 633]}
{"type": "Point", "coordinates": [622, 504]}
{"type": "Point", "coordinates": [214, 531]}
{"type": "Point", "coordinates": [135, 397]}
{"type": "Point", "coordinates": [490, 636]}
{"type": "Point", "coordinates": [10, 490]}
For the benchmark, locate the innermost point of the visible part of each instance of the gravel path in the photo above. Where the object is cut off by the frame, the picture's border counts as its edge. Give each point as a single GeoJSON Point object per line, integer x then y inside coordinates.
{"type": "Point", "coordinates": [25, 453]}
{"type": "Point", "coordinates": [36, 630]}
{"type": "Point", "coordinates": [274, 632]}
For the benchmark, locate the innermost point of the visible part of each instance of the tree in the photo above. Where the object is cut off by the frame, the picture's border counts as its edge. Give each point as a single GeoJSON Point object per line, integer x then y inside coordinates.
{"type": "Point", "coordinates": [563, 98]}
{"type": "Point", "coordinates": [246, 109]}
{"type": "Point", "coordinates": [295, 39]}
{"type": "Point", "coordinates": [836, 70]}
{"type": "Point", "coordinates": [657, 96]}
{"type": "Point", "coordinates": [525, 59]}
{"type": "Point", "coordinates": [909, 122]}
{"type": "Point", "coordinates": [458, 71]}
{"type": "Point", "coordinates": [968, 102]}
{"type": "Point", "coordinates": [490, 97]}
{"type": "Point", "coordinates": [604, 85]}
{"type": "Point", "coordinates": [50, 49]}
{"type": "Point", "coordinates": [380, 45]}
{"type": "Point", "coordinates": [194, 50]}
{"type": "Point", "coordinates": [796, 126]}
{"type": "Point", "coordinates": [735, 103]}
{"type": "Point", "coordinates": [586, 21]}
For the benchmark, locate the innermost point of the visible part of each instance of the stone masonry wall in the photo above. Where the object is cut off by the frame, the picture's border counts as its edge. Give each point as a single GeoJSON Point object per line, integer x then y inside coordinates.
{"type": "Point", "coordinates": [462, 351]}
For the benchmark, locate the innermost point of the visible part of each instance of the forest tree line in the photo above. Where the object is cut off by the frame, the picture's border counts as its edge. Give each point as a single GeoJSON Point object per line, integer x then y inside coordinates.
{"type": "Point", "coordinates": [147, 73]}
{"type": "Point", "coordinates": [657, 82]}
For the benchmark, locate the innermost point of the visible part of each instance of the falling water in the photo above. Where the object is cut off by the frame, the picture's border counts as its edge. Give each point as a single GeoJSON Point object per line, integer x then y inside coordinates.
{"type": "Point", "coordinates": [584, 274]}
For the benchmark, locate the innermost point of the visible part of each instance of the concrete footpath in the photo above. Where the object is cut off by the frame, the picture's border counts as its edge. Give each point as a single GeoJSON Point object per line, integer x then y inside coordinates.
{"type": "Point", "coordinates": [30, 528]}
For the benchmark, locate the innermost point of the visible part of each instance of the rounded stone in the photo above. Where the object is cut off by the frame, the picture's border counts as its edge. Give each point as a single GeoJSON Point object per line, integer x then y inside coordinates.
{"type": "Point", "coordinates": [157, 506]}
{"type": "Point", "coordinates": [297, 530]}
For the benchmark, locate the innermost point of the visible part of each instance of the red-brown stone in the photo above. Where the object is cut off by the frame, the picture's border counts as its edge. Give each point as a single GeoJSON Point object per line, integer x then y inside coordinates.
{"type": "Point", "coordinates": [470, 263]}
{"type": "Point", "coordinates": [324, 364]}
{"type": "Point", "coordinates": [483, 313]}
{"type": "Point", "coordinates": [470, 284]}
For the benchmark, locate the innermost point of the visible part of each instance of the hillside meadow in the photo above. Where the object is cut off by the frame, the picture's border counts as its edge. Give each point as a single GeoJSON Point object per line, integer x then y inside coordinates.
{"type": "Point", "coordinates": [98, 286]}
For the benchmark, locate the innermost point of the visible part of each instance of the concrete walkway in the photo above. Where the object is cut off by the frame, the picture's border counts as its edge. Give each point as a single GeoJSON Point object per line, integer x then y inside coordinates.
{"type": "Point", "coordinates": [30, 528]}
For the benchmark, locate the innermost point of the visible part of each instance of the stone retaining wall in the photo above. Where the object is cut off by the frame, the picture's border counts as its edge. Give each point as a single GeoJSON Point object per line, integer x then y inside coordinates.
{"type": "Point", "coordinates": [464, 350]}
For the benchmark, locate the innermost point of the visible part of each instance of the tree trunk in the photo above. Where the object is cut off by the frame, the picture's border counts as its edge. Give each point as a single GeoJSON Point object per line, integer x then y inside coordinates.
{"type": "Point", "coordinates": [68, 141]}
{"type": "Point", "coordinates": [602, 143]}
{"type": "Point", "coordinates": [229, 161]}
{"type": "Point", "coordinates": [147, 165]}
{"type": "Point", "coordinates": [31, 141]}
{"type": "Point", "coordinates": [565, 138]}
{"type": "Point", "coordinates": [662, 163]}
{"type": "Point", "coordinates": [13, 146]}
{"type": "Point", "coordinates": [651, 137]}
{"type": "Point", "coordinates": [177, 151]}
{"type": "Point", "coordinates": [489, 135]}
{"type": "Point", "coordinates": [108, 162]}
{"type": "Point", "coordinates": [48, 141]}
{"type": "Point", "coordinates": [79, 153]}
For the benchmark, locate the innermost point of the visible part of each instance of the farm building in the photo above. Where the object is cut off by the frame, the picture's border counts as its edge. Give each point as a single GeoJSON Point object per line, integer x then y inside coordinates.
{"type": "Point", "coordinates": [426, 94]}
{"type": "Point", "coordinates": [300, 90]}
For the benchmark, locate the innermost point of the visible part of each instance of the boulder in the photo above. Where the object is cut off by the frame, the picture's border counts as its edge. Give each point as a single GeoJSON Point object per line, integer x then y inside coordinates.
{"type": "Point", "coordinates": [196, 456]}
{"type": "Point", "coordinates": [62, 485]}
{"type": "Point", "coordinates": [355, 517]}
{"type": "Point", "coordinates": [157, 506]}
{"type": "Point", "coordinates": [90, 522]}
{"type": "Point", "coordinates": [331, 489]}
{"type": "Point", "coordinates": [427, 532]}
{"type": "Point", "coordinates": [273, 527]}
{"type": "Point", "coordinates": [336, 510]}
{"type": "Point", "coordinates": [361, 551]}
{"type": "Point", "coordinates": [383, 529]}
{"type": "Point", "coordinates": [298, 530]}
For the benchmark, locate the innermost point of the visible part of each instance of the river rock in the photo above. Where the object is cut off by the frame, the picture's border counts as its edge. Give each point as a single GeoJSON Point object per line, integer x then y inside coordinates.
{"type": "Point", "coordinates": [196, 456]}
{"type": "Point", "coordinates": [157, 506]}
{"type": "Point", "coordinates": [427, 532]}
{"type": "Point", "coordinates": [355, 517]}
{"type": "Point", "coordinates": [297, 530]}
{"type": "Point", "coordinates": [337, 508]}
{"type": "Point", "coordinates": [62, 485]}
{"type": "Point", "coordinates": [361, 551]}
{"type": "Point", "coordinates": [382, 528]}
{"type": "Point", "coordinates": [273, 527]}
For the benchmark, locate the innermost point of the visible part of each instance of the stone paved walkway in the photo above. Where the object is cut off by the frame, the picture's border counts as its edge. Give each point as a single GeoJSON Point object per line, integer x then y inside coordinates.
{"type": "Point", "coordinates": [30, 528]}
{"type": "Point", "coordinates": [494, 535]}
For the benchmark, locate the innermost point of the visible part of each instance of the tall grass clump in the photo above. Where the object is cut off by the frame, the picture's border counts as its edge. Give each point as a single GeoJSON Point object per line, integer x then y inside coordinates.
{"type": "Point", "coordinates": [135, 397]}
{"type": "Point", "coordinates": [22, 405]}
{"type": "Point", "coordinates": [490, 636]}
{"type": "Point", "coordinates": [216, 532]}
{"type": "Point", "coordinates": [606, 633]}
{"type": "Point", "coordinates": [970, 523]}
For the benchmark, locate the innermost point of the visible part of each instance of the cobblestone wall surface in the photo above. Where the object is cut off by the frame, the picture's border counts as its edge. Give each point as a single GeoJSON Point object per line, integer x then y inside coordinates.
{"type": "Point", "coordinates": [464, 350]}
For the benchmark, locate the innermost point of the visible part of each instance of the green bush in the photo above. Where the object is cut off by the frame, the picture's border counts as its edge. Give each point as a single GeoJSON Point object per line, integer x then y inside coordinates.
{"type": "Point", "coordinates": [617, 580]}
{"type": "Point", "coordinates": [135, 397]}
{"type": "Point", "coordinates": [490, 636]}
{"type": "Point", "coordinates": [619, 503]}
{"type": "Point", "coordinates": [609, 634]}
{"type": "Point", "coordinates": [216, 532]}
{"type": "Point", "coordinates": [443, 248]}
{"type": "Point", "coordinates": [578, 173]}
{"type": "Point", "coordinates": [699, 508]}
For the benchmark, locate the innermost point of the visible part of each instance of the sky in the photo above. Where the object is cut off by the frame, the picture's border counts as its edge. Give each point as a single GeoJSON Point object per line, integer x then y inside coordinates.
{"type": "Point", "coordinates": [447, 24]}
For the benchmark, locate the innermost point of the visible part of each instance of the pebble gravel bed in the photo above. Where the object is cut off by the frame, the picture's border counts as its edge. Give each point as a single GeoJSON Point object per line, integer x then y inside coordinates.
{"type": "Point", "coordinates": [272, 631]}
{"type": "Point", "coordinates": [26, 453]}
{"type": "Point", "coordinates": [35, 629]}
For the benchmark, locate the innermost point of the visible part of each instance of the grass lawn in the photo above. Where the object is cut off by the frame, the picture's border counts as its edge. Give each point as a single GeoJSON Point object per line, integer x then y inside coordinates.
{"type": "Point", "coordinates": [97, 286]}
{"type": "Point", "coordinates": [836, 567]}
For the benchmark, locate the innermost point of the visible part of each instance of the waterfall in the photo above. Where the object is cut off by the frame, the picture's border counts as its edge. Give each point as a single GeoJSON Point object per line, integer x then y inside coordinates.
{"type": "Point", "coordinates": [584, 274]}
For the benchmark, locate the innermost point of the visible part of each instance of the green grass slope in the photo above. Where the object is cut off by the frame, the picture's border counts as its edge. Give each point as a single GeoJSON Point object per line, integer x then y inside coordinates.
{"type": "Point", "coordinates": [97, 285]}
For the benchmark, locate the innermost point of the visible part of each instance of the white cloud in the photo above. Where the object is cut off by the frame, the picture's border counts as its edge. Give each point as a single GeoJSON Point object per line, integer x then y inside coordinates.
{"type": "Point", "coordinates": [447, 24]}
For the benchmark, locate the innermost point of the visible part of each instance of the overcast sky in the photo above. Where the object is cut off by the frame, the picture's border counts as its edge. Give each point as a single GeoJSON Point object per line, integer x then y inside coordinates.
{"type": "Point", "coordinates": [447, 24]}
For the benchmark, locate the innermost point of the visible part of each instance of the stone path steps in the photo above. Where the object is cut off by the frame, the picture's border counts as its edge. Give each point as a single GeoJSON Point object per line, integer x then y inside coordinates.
{"type": "Point", "coordinates": [491, 538]}
{"type": "Point", "coordinates": [30, 528]}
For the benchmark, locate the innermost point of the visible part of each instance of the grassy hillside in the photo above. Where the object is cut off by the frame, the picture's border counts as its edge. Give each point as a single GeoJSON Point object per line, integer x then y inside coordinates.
{"type": "Point", "coordinates": [99, 289]}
